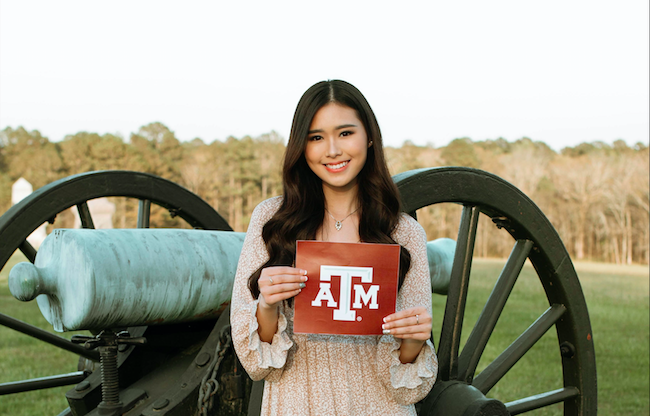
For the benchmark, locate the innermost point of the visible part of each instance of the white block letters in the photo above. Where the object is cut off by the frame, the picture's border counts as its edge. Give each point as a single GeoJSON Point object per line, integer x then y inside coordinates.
{"type": "Point", "coordinates": [344, 311]}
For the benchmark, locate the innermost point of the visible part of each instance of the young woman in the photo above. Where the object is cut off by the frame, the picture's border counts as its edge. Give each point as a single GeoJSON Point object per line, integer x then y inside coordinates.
{"type": "Point", "coordinates": [336, 188]}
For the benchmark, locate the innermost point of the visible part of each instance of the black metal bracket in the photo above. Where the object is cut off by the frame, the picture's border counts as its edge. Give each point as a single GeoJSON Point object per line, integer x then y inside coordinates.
{"type": "Point", "coordinates": [107, 343]}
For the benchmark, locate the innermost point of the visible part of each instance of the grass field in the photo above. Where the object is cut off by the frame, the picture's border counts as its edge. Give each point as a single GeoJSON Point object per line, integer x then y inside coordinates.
{"type": "Point", "coordinates": [617, 298]}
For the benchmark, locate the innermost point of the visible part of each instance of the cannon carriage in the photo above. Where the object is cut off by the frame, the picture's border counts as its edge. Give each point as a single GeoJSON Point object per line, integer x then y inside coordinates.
{"type": "Point", "coordinates": [188, 366]}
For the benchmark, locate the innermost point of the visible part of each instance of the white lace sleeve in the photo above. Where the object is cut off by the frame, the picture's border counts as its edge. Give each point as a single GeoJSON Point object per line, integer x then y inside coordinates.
{"type": "Point", "coordinates": [411, 382]}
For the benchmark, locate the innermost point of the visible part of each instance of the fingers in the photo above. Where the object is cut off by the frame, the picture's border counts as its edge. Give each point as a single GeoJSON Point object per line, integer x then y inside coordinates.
{"type": "Point", "coordinates": [278, 289]}
{"type": "Point", "coordinates": [420, 332]}
{"type": "Point", "coordinates": [280, 283]}
{"type": "Point", "coordinates": [273, 270]}
{"type": "Point", "coordinates": [281, 274]}
{"type": "Point", "coordinates": [406, 313]}
{"type": "Point", "coordinates": [270, 300]}
{"type": "Point", "coordinates": [412, 323]}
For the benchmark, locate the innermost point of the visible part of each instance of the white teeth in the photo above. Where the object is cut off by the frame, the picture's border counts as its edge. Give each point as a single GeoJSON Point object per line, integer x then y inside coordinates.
{"type": "Point", "coordinates": [337, 166]}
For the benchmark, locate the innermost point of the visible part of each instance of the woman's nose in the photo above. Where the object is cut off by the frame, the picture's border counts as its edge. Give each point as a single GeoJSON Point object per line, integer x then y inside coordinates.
{"type": "Point", "coordinates": [333, 149]}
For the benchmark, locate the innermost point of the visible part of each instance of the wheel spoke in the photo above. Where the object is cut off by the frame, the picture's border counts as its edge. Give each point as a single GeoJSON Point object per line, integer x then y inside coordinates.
{"type": "Point", "coordinates": [541, 400]}
{"type": "Point", "coordinates": [28, 250]}
{"type": "Point", "coordinates": [485, 324]}
{"type": "Point", "coordinates": [48, 337]}
{"type": "Point", "coordinates": [504, 362]}
{"type": "Point", "coordinates": [144, 211]}
{"type": "Point", "coordinates": [457, 294]}
{"type": "Point", "coordinates": [84, 215]}
{"type": "Point", "coordinates": [42, 383]}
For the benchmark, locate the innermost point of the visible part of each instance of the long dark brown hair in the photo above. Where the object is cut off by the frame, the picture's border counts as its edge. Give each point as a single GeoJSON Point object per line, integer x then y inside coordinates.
{"type": "Point", "coordinates": [302, 210]}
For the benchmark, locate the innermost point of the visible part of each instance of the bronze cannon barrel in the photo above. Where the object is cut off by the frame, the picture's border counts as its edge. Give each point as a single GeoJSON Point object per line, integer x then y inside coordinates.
{"type": "Point", "coordinates": [97, 279]}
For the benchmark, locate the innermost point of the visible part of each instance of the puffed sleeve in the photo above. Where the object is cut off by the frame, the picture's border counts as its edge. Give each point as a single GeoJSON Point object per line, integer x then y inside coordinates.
{"type": "Point", "coordinates": [411, 382]}
{"type": "Point", "coordinates": [262, 360]}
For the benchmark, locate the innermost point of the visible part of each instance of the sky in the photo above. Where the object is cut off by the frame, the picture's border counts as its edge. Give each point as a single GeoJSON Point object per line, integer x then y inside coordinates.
{"type": "Point", "coordinates": [561, 72]}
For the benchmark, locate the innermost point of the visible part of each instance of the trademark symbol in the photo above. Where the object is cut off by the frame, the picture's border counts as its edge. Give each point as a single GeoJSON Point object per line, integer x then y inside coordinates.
{"type": "Point", "coordinates": [359, 319]}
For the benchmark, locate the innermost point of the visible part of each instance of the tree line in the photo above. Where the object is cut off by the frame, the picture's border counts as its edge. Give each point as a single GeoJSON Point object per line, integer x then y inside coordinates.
{"type": "Point", "coordinates": [595, 194]}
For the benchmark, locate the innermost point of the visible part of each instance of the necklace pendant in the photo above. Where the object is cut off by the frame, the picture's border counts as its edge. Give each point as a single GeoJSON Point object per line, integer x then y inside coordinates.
{"type": "Point", "coordinates": [338, 225]}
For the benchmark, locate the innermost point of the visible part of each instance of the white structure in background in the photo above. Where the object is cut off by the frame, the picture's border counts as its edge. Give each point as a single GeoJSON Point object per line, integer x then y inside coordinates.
{"type": "Point", "coordinates": [101, 210]}
{"type": "Point", "coordinates": [20, 190]}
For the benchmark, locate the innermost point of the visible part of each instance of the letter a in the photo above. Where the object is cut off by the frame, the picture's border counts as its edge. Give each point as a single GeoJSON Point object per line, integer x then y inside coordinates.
{"type": "Point", "coordinates": [325, 293]}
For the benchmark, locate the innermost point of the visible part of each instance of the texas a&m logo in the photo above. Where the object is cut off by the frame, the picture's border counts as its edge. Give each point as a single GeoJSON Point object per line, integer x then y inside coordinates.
{"type": "Point", "coordinates": [351, 287]}
{"type": "Point", "coordinates": [344, 307]}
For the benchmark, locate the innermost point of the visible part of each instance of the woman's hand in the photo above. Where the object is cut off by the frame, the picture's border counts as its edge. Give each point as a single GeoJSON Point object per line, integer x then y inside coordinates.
{"type": "Point", "coordinates": [413, 326]}
{"type": "Point", "coordinates": [278, 283]}
{"type": "Point", "coordinates": [412, 323]}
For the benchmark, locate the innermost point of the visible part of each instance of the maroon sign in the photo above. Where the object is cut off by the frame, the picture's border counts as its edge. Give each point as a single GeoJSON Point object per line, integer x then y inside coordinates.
{"type": "Point", "coordinates": [351, 287]}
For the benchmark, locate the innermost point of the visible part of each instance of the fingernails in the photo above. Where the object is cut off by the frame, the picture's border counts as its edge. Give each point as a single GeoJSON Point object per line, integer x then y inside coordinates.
{"type": "Point", "coordinates": [305, 278]}
{"type": "Point", "coordinates": [385, 319]}
{"type": "Point", "coordinates": [304, 272]}
{"type": "Point", "coordinates": [386, 331]}
{"type": "Point", "coordinates": [302, 285]}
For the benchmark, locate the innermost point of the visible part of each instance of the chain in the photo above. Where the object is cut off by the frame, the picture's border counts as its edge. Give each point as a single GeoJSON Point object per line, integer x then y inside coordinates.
{"type": "Point", "coordinates": [209, 384]}
{"type": "Point", "coordinates": [338, 224]}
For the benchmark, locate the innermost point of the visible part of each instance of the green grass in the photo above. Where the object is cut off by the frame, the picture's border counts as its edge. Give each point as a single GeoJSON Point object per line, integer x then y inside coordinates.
{"type": "Point", "coordinates": [618, 305]}
{"type": "Point", "coordinates": [23, 357]}
{"type": "Point", "coordinates": [617, 298]}
{"type": "Point", "coordinates": [540, 369]}
{"type": "Point", "coordinates": [619, 313]}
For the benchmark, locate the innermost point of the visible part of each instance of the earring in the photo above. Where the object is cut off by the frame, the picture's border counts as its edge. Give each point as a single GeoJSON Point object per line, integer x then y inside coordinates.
{"type": "Point", "coordinates": [370, 143]}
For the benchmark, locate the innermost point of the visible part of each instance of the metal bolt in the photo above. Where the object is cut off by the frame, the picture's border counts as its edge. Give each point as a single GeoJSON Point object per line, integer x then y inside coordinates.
{"type": "Point", "coordinates": [160, 404]}
{"type": "Point", "coordinates": [82, 386]}
{"type": "Point", "coordinates": [567, 349]}
{"type": "Point", "coordinates": [110, 387]}
{"type": "Point", "coordinates": [202, 359]}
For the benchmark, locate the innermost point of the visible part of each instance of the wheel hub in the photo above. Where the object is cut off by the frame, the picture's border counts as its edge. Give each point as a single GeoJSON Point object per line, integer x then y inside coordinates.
{"type": "Point", "coordinates": [455, 398]}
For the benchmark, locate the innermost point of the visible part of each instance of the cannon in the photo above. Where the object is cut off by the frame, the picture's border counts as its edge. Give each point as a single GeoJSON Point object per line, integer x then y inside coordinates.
{"type": "Point", "coordinates": [188, 367]}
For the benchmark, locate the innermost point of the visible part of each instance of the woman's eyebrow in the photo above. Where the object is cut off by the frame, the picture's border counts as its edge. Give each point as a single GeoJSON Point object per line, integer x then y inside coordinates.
{"type": "Point", "coordinates": [342, 126]}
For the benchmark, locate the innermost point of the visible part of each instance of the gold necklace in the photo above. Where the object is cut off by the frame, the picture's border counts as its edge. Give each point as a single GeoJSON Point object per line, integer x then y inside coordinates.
{"type": "Point", "coordinates": [339, 223]}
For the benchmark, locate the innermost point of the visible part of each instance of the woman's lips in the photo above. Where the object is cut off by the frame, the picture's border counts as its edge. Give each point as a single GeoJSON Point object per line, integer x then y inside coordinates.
{"type": "Point", "coordinates": [337, 167]}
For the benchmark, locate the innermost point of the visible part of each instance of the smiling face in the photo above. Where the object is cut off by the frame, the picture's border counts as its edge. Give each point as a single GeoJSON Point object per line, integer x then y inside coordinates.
{"type": "Point", "coordinates": [337, 147]}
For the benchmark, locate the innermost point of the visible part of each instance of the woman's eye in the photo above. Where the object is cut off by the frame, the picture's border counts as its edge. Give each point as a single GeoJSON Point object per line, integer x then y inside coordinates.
{"type": "Point", "coordinates": [314, 138]}
{"type": "Point", "coordinates": [346, 133]}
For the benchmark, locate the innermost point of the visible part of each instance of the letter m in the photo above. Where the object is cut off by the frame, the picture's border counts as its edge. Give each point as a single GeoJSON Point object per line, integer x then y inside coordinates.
{"type": "Point", "coordinates": [367, 298]}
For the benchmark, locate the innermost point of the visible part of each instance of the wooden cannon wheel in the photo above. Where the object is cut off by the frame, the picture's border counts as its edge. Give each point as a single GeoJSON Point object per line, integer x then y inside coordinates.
{"type": "Point", "coordinates": [178, 356]}
{"type": "Point", "coordinates": [459, 389]}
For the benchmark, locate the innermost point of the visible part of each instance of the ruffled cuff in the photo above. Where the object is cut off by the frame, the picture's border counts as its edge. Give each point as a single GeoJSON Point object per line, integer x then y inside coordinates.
{"type": "Point", "coordinates": [274, 354]}
{"type": "Point", "coordinates": [410, 375]}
